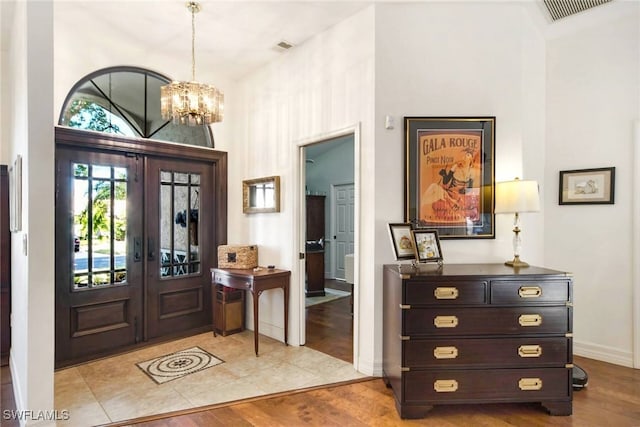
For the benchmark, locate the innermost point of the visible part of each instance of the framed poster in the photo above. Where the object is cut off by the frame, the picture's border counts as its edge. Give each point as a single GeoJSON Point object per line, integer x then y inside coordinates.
{"type": "Point", "coordinates": [449, 169]}
{"type": "Point", "coordinates": [587, 186]}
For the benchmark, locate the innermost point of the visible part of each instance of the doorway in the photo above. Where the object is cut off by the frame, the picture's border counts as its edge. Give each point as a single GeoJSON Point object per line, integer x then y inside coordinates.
{"type": "Point", "coordinates": [329, 178]}
{"type": "Point", "coordinates": [135, 232]}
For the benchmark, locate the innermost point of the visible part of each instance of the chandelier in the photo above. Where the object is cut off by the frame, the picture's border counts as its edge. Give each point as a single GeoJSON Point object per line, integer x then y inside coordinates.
{"type": "Point", "coordinates": [192, 103]}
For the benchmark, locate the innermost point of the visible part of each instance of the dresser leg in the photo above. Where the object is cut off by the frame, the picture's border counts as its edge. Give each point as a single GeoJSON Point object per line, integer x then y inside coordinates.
{"type": "Point", "coordinates": [562, 408]}
{"type": "Point", "coordinates": [413, 411]}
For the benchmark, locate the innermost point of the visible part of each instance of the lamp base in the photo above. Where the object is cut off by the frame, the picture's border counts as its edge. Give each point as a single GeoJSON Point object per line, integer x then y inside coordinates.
{"type": "Point", "coordinates": [516, 263]}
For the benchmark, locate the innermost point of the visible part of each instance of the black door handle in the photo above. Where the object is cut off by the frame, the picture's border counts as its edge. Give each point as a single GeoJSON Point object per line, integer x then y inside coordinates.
{"type": "Point", "coordinates": [151, 252]}
{"type": "Point", "coordinates": [137, 249]}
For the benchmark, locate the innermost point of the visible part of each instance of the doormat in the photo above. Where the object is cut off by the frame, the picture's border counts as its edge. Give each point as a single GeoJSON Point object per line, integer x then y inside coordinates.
{"type": "Point", "coordinates": [329, 295]}
{"type": "Point", "coordinates": [176, 365]}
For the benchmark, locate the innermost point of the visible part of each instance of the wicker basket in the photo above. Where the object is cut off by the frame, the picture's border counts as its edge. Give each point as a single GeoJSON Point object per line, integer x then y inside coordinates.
{"type": "Point", "coordinates": [230, 256]}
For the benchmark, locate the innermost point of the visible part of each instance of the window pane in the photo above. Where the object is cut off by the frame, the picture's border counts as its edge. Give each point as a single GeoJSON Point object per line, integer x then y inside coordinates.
{"type": "Point", "coordinates": [179, 224]}
{"type": "Point", "coordinates": [100, 226]}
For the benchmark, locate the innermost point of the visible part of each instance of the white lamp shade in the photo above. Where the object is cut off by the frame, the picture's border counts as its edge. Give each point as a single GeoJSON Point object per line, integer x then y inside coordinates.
{"type": "Point", "coordinates": [517, 196]}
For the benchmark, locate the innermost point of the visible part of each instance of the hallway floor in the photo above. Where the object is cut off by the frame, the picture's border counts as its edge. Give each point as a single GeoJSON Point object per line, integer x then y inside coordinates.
{"type": "Point", "coordinates": [115, 389]}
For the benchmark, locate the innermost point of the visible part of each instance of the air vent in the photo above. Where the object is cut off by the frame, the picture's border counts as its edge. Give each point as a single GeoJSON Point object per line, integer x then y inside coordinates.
{"type": "Point", "coordinates": [284, 45]}
{"type": "Point", "coordinates": [562, 8]}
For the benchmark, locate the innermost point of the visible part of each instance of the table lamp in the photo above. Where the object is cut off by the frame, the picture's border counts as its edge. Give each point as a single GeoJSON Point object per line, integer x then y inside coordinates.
{"type": "Point", "coordinates": [516, 197]}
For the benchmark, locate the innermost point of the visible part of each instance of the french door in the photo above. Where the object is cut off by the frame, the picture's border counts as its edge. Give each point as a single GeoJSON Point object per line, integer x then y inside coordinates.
{"type": "Point", "coordinates": [135, 242]}
{"type": "Point", "coordinates": [179, 202]}
{"type": "Point", "coordinates": [99, 256]}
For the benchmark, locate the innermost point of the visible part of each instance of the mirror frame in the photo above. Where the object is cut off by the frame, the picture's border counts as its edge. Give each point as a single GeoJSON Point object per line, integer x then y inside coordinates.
{"type": "Point", "coordinates": [248, 183]}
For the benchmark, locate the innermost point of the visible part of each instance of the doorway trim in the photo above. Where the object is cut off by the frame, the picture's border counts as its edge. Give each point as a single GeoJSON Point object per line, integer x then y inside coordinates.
{"type": "Point", "coordinates": [635, 314]}
{"type": "Point", "coordinates": [300, 225]}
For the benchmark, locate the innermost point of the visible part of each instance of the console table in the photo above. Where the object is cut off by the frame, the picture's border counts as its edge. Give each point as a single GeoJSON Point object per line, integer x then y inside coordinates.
{"type": "Point", "coordinates": [256, 282]}
{"type": "Point", "coordinates": [477, 333]}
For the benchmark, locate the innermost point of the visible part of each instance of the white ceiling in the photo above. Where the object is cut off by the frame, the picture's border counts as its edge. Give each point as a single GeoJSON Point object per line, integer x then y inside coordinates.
{"type": "Point", "coordinates": [232, 37]}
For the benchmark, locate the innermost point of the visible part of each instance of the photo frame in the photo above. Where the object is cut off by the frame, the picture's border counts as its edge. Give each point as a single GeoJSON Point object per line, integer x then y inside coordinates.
{"type": "Point", "coordinates": [449, 175]}
{"type": "Point", "coordinates": [587, 186]}
{"type": "Point", "coordinates": [261, 195]}
{"type": "Point", "coordinates": [402, 241]}
{"type": "Point", "coordinates": [15, 195]}
{"type": "Point", "coordinates": [427, 245]}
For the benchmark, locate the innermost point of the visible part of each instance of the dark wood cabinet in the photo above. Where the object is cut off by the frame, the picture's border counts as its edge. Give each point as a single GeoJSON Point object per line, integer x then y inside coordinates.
{"type": "Point", "coordinates": [315, 246]}
{"type": "Point", "coordinates": [228, 310]}
{"type": "Point", "coordinates": [5, 268]}
{"type": "Point", "coordinates": [477, 334]}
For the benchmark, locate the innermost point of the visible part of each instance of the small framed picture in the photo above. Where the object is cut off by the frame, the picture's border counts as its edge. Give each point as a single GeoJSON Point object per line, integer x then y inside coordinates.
{"type": "Point", "coordinates": [402, 241]}
{"type": "Point", "coordinates": [427, 245]}
{"type": "Point", "coordinates": [587, 186]}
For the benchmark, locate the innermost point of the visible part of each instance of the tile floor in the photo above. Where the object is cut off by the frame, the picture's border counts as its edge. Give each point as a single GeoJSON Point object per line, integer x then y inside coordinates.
{"type": "Point", "coordinates": [115, 389]}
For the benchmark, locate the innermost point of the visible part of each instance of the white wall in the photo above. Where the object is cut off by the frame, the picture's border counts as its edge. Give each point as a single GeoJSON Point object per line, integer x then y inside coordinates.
{"type": "Point", "coordinates": [318, 87]}
{"type": "Point", "coordinates": [27, 114]}
{"type": "Point", "coordinates": [461, 59]}
{"type": "Point", "coordinates": [593, 97]}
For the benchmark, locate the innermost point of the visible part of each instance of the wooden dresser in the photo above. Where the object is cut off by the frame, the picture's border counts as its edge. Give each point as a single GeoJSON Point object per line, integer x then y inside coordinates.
{"type": "Point", "coordinates": [477, 333]}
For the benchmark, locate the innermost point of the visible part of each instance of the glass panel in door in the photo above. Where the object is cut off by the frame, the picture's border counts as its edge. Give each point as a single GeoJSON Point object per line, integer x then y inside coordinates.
{"type": "Point", "coordinates": [179, 223]}
{"type": "Point", "coordinates": [99, 225]}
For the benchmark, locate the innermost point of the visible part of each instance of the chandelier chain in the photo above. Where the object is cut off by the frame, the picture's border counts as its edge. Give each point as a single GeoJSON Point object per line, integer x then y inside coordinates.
{"type": "Point", "coordinates": [193, 41]}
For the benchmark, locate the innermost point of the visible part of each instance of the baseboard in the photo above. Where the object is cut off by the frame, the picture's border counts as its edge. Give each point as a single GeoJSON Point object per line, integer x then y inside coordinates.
{"type": "Point", "coordinates": [369, 367]}
{"type": "Point", "coordinates": [603, 353]}
{"type": "Point", "coordinates": [17, 392]}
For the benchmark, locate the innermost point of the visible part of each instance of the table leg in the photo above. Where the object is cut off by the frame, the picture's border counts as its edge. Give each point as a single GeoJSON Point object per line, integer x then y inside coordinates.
{"type": "Point", "coordinates": [286, 313]}
{"type": "Point", "coordinates": [256, 297]}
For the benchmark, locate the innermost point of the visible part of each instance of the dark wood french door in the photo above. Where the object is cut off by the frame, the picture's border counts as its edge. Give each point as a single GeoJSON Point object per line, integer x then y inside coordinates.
{"type": "Point", "coordinates": [99, 266]}
{"type": "Point", "coordinates": [179, 203]}
{"type": "Point", "coordinates": [136, 235]}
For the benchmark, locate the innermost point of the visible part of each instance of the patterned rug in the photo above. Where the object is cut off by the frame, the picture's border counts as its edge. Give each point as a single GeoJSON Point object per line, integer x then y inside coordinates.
{"type": "Point", "coordinates": [176, 365]}
{"type": "Point", "coordinates": [330, 295]}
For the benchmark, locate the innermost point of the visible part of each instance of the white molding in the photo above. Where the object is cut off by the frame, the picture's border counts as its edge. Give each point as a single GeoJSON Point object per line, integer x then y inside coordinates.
{"type": "Point", "coordinates": [635, 227]}
{"type": "Point", "coordinates": [364, 367]}
{"type": "Point", "coordinates": [603, 353]}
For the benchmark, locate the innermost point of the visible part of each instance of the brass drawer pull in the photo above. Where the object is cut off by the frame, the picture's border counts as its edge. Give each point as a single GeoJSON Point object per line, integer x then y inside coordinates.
{"type": "Point", "coordinates": [529, 351]}
{"type": "Point", "coordinates": [528, 384]}
{"type": "Point", "coordinates": [530, 291]}
{"type": "Point", "coordinates": [445, 321]}
{"type": "Point", "coordinates": [446, 293]}
{"type": "Point", "coordinates": [445, 386]}
{"type": "Point", "coordinates": [445, 352]}
{"type": "Point", "coordinates": [530, 320]}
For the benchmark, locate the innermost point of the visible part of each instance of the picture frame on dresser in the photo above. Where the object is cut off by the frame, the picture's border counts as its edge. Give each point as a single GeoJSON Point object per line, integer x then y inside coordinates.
{"type": "Point", "coordinates": [402, 241]}
{"type": "Point", "coordinates": [449, 175]}
{"type": "Point", "coordinates": [427, 245]}
{"type": "Point", "coordinates": [587, 186]}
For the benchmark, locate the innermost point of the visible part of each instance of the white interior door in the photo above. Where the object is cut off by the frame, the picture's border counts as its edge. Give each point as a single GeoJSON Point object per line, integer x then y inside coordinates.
{"type": "Point", "coordinates": [343, 226]}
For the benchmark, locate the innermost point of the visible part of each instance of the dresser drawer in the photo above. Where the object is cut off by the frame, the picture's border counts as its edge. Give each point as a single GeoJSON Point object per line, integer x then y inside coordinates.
{"type": "Point", "coordinates": [485, 321]}
{"type": "Point", "coordinates": [486, 352]}
{"type": "Point", "coordinates": [458, 385]}
{"type": "Point", "coordinates": [530, 292]}
{"type": "Point", "coordinates": [445, 293]}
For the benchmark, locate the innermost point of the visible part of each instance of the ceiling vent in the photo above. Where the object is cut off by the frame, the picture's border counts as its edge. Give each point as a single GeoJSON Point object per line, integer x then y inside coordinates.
{"type": "Point", "coordinates": [284, 45]}
{"type": "Point", "coordinates": [562, 8]}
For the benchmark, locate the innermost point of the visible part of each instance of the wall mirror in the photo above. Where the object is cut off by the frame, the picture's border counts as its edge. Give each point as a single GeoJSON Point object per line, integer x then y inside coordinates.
{"type": "Point", "coordinates": [261, 195]}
